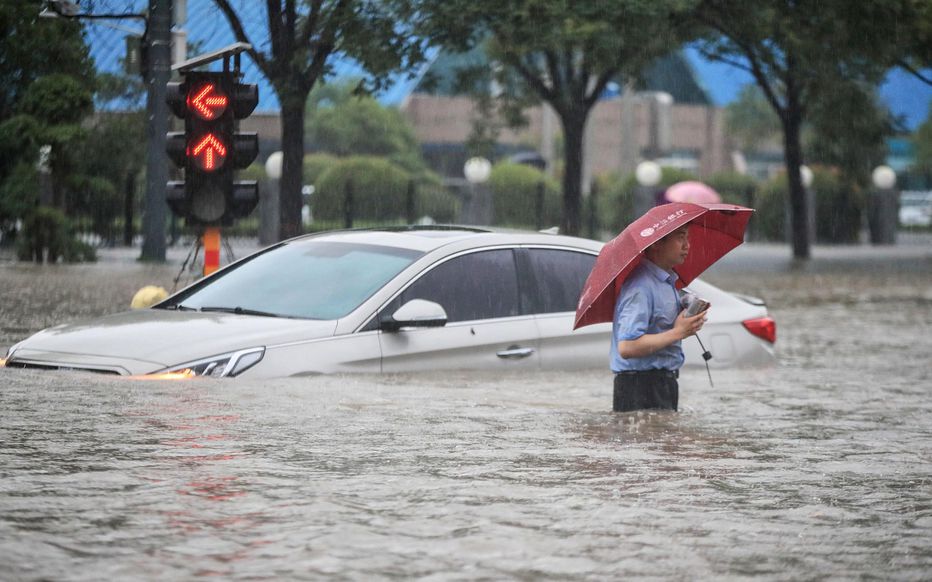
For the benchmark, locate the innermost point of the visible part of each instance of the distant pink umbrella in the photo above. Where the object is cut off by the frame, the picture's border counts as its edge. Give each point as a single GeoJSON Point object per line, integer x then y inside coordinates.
{"type": "Point", "coordinates": [693, 192]}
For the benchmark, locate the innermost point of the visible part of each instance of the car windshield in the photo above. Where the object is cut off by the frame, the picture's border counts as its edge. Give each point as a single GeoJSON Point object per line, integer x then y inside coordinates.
{"type": "Point", "coordinates": [306, 279]}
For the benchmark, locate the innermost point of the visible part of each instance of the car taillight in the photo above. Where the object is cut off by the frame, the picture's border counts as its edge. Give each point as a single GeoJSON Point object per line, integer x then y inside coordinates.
{"type": "Point", "coordinates": [763, 327]}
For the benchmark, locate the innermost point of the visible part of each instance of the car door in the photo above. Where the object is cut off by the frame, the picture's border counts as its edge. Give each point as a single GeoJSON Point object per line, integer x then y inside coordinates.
{"type": "Point", "coordinates": [557, 276]}
{"type": "Point", "coordinates": [487, 326]}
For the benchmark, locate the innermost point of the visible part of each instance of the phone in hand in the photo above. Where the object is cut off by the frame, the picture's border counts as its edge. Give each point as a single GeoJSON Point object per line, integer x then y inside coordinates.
{"type": "Point", "coordinates": [696, 306]}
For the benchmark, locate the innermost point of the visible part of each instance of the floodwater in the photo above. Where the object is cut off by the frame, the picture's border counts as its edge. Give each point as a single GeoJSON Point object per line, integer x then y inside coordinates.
{"type": "Point", "coordinates": [820, 467]}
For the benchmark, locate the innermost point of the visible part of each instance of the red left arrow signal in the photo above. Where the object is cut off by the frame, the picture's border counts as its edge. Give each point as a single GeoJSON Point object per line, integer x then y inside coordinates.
{"type": "Point", "coordinates": [208, 152]}
{"type": "Point", "coordinates": [208, 101]}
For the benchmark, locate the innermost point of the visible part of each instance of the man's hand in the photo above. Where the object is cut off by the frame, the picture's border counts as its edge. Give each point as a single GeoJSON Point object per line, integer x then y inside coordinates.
{"type": "Point", "coordinates": [685, 326]}
{"type": "Point", "coordinates": [649, 343]}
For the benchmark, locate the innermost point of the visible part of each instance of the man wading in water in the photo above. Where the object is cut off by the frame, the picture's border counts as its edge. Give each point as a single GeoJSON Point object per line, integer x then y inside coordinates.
{"type": "Point", "coordinates": [648, 329]}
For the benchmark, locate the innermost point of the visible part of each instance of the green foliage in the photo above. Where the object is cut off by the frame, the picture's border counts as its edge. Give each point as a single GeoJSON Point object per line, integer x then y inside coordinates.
{"type": "Point", "coordinates": [922, 140]}
{"type": "Point", "coordinates": [838, 209]}
{"type": "Point", "coordinates": [297, 49]}
{"type": "Point", "coordinates": [379, 193]}
{"type": "Point", "coordinates": [254, 171]}
{"type": "Point", "coordinates": [98, 199]}
{"type": "Point", "coordinates": [436, 202]}
{"type": "Point", "coordinates": [805, 60]}
{"type": "Point", "coordinates": [19, 193]}
{"type": "Point", "coordinates": [56, 99]}
{"type": "Point", "coordinates": [563, 53]}
{"type": "Point", "coordinates": [316, 164]}
{"type": "Point", "coordinates": [734, 188]}
{"type": "Point", "coordinates": [849, 127]}
{"type": "Point", "coordinates": [751, 120]}
{"type": "Point", "coordinates": [343, 124]}
{"type": "Point", "coordinates": [515, 190]}
{"type": "Point", "coordinates": [47, 237]}
{"type": "Point", "coordinates": [35, 47]}
{"type": "Point", "coordinates": [616, 207]}
{"type": "Point", "coordinates": [18, 141]}
{"type": "Point", "coordinates": [770, 218]}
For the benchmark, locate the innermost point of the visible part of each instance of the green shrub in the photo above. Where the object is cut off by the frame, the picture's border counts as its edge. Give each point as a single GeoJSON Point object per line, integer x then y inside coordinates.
{"type": "Point", "coordinates": [838, 209]}
{"type": "Point", "coordinates": [770, 205]}
{"type": "Point", "coordinates": [515, 195]}
{"type": "Point", "coordinates": [734, 188]}
{"type": "Point", "coordinates": [47, 236]}
{"type": "Point", "coordinates": [616, 207]}
{"type": "Point", "coordinates": [379, 190]}
{"type": "Point", "coordinates": [436, 202]}
{"type": "Point", "coordinates": [315, 165]}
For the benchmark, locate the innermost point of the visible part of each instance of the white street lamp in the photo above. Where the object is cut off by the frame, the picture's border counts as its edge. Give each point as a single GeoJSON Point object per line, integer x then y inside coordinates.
{"type": "Point", "coordinates": [806, 175]}
{"type": "Point", "coordinates": [883, 208]}
{"type": "Point", "coordinates": [477, 170]}
{"type": "Point", "coordinates": [273, 165]}
{"type": "Point", "coordinates": [268, 203]}
{"type": "Point", "coordinates": [477, 208]}
{"type": "Point", "coordinates": [648, 173]}
{"type": "Point", "coordinates": [884, 177]}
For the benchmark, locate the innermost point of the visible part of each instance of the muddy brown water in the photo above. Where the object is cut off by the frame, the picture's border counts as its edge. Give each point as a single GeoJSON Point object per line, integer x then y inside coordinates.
{"type": "Point", "coordinates": [820, 467]}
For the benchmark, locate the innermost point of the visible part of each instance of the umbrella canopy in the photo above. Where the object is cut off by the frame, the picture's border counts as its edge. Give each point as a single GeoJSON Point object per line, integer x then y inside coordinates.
{"type": "Point", "coordinates": [714, 230]}
{"type": "Point", "coordinates": [691, 191]}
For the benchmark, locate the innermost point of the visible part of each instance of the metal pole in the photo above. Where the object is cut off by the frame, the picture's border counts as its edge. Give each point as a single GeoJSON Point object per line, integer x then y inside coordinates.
{"type": "Point", "coordinates": [348, 209]}
{"type": "Point", "coordinates": [158, 72]}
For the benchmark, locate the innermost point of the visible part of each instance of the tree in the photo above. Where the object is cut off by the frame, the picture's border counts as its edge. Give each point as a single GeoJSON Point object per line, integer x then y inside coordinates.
{"type": "Point", "coordinates": [304, 39]}
{"type": "Point", "coordinates": [849, 127]}
{"type": "Point", "coordinates": [32, 49]}
{"type": "Point", "coordinates": [344, 124]}
{"type": "Point", "coordinates": [923, 143]}
{"type": "Point", "coordinates": [750, 119]}
{"type": "Point", "coordinates": [58, 103]}
{"type": "Point", "coordinates": [563, 52]}
{"type": "Point", "coordinates": [799, 53]}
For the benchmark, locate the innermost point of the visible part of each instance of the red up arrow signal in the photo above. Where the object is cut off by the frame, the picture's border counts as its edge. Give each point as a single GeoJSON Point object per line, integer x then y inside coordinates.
{"type": "Point", "coordinates": [208, 102]}
{"type": "Point", "coordinates": [209, 153]}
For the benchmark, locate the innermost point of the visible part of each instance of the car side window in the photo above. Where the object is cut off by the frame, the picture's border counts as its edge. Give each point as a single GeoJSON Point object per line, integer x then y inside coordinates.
{"type": "Point", "coordinates": [560, 276]}
{"type": "Point", "coordinates": [481, 285]}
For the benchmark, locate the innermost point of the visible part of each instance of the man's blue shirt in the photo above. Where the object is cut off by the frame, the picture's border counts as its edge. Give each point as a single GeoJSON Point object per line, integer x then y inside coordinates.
{"type": "Point", "coordinates": [648, 303]}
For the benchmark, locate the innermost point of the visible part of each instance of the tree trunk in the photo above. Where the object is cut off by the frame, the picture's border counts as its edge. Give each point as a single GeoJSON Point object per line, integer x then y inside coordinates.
{"type": "Point", "coordinates": [799, 204]}
{"type": "Point", "coordinates": [574, 126]}
{"type": "Point", "coordinates": [129, 200]}
{"type": "Point", "coordinates": [290, 201]}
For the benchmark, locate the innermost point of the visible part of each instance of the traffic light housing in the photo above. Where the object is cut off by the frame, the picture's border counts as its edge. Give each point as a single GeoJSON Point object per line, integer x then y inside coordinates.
{"type": "Point", "coordinates": [210, 150]}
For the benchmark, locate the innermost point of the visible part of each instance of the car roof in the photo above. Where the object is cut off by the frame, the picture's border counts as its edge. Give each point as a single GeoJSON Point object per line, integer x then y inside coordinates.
{"type": "Point", "coordinates": [428, 238]}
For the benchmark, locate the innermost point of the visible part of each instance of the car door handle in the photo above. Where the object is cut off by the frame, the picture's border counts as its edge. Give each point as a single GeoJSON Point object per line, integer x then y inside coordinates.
{"type": "Point", "coordinates": [515, 353]}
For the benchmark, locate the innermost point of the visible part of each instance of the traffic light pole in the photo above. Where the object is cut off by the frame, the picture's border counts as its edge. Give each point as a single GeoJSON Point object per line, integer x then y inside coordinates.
{"type": "Point", "coordinates": [158, 73]}
{"type": "Point", "coordinates": [211, 241]}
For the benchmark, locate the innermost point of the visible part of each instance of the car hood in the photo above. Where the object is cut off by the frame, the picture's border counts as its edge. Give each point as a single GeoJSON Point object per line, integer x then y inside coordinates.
{"type": "Point", "coordinates": [143, 341]}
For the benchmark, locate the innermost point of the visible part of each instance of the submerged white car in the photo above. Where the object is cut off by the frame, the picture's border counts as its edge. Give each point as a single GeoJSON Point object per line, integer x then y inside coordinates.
{"type": "Point", "coordinates": [402, 300]}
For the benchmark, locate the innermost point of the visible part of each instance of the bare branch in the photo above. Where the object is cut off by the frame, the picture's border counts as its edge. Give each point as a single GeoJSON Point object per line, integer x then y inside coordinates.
{"type": "Point", "coordinates": [241, 36]}
{"type": "Point", "coordinates": [903, 64]}
{"type": "Point", "coordinates": [600, 85]}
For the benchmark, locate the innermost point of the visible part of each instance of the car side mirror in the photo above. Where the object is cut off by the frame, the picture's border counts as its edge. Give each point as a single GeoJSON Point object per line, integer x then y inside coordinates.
{"type": "Point", "coordinates": [415, 313]}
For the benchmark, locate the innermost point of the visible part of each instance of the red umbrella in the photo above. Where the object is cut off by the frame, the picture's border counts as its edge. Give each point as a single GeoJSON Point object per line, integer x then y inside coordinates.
{"type": "Point", "coordinates": [714, 229]}
{"type": "Point", "coordinates": [692, 191]}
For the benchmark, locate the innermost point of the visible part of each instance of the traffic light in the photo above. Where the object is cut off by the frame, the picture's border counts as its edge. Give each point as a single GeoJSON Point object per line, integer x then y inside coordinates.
{"type": "Point", "coordinates": [210, 150]}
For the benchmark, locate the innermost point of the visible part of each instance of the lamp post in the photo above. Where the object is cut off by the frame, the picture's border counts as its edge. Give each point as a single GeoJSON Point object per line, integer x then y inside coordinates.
{"type": "Point", "coordinates": [883, 207]}
{"type": "Point", "coordinates": [478, 207]}
{"type": "Point", "coordinates": [648, 174]}
{"type": "Point", "coordinates": [805, 173]}
{"type": "Point", "coordinates": [268, 200]}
